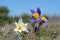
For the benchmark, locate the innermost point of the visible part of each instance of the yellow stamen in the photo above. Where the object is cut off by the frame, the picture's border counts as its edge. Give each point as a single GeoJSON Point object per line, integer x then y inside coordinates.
{"type": "Point", "coordinates": [35, 15]}
{"type": "Point", "coordinates": [19, 27]}
{"type": "Point", "coordinates": [43, 18]}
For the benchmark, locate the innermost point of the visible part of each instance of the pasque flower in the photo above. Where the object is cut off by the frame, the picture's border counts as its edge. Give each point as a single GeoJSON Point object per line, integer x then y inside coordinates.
{"type": "Point", "coordinates": [35, 15]}
{"type": "Point", "coordinates": [20, 26]}
{"type": "Point", "coordinates": [44, 20]}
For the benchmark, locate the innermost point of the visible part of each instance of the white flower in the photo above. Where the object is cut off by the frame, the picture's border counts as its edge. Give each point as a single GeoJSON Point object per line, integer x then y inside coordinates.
{"type": "Point", "coordinates": [20, 26]}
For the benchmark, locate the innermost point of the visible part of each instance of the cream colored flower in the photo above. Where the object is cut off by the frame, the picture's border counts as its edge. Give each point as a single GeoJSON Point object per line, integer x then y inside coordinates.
{"type": "Point", "coordinates": [20, 26]}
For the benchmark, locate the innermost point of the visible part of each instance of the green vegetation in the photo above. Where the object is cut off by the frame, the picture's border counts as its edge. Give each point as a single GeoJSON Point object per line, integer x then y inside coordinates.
{"type": "Point", "coordinates": [4, 18]}
{"type": "Point", "coordinates": [3, 15]}
{"type": "Point", "coordinates": [26, 17]}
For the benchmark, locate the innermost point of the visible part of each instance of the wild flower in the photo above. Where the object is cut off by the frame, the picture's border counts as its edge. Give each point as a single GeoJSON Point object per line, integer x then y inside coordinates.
{"type": "Point", "coordinates": [35, 15]}
{"type": "Point", "coordinates": [38, 18]}
{"type": "Point", "coordinates": [20, 26]}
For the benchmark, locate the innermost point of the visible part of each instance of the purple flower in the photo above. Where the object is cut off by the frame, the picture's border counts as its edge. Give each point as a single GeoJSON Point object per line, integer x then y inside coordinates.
{"type": "Point", "coordinates": [35, 15]}
{"type": "Point", "coordinates": [45, 22]}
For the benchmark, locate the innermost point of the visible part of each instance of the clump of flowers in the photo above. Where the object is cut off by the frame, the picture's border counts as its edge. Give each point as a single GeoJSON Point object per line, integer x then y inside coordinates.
{"type": "Point", "coordinates": [39, 19]}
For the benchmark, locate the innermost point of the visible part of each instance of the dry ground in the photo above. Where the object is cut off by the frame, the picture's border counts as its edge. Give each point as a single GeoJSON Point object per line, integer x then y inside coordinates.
{"type": "Point", "coordinates": [51, 33]}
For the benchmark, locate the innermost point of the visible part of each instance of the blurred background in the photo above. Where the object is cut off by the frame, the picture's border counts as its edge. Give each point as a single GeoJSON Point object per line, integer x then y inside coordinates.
{"type": "Point", "coordinates": [12, 10]}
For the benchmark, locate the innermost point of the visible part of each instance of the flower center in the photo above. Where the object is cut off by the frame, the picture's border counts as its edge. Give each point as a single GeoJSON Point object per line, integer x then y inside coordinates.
{"type": "Point", "coordinates": [35, 15]}
{"type": "Point", "coordinates": [19, 27]}
{"type": "Point", "coordinates": [43, 18]}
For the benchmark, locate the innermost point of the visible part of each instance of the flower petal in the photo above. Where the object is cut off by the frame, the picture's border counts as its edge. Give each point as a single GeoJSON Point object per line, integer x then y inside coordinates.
{"type": "Point", "coordinates": [20, 31]}
{"type": "Point", "coordinates": [24, 27]}
{"type": "Point", "coordinates": [39, 11]}
{"type": "Point", "coordinates": [27, 31]}
{"type": "Point", "coordinates": [46, 23]}
{"type": "Point", "coordinates": [38, 20]}
{"type": "Point", "coordinates": [16, 24]}
{"type": "Point", "coordinates": [26, 24]}
{"type": "Point", "coordinates": [15, 29]}
{"type": "Point", "coordinates": [32, 20]}
{"type": "Point", "coordinates": [20, 21]}
{"type": "Point", "coordinates": [32, 11]}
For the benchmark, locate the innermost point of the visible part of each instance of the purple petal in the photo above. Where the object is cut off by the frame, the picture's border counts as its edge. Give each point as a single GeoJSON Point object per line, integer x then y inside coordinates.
{"type": "Point", "coordinates": [46, 23]}
{"type": "Point", "coordinates": [39, 11]}
{"type": "Point", "coordinates": [32, 11]}
{"type": "Point", "coordinates": [32, 20]}
{"type": "Point", "coordinates": [35, 20]}
{"type": "Point", "coordinates": [38, 20]}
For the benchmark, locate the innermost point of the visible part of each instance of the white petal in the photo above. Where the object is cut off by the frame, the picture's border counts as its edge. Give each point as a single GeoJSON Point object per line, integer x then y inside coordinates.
{"type": "Point", "coordinates": [16, 24]}
{"type": "Point", "coordinates": [27, 31]}
{"type": "Point", "coordinates": [20, 21]}
{"type": "Point", "coordinates": [20, 31]}
{"type": "Point", "coordinates": [26, 24]}
{"type": "Point", "coordinates": [15, 29]}
{"type": "Point", "coordinates": [24, 28]}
